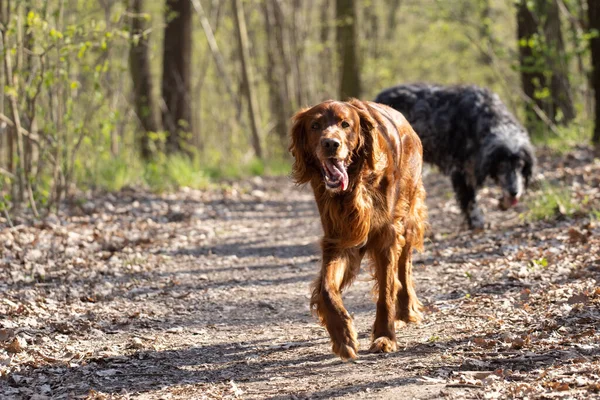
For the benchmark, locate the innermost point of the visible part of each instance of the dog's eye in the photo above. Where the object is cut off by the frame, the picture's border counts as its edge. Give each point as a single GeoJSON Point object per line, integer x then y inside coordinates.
{"type": "Point", "coordinates": [345, 124]}
{"type": "Point", "coordinates": [315, 125]}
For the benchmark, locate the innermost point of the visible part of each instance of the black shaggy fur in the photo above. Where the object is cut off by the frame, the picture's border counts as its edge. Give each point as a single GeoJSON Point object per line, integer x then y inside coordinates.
{"type": "Point", "coordinates": [469, 134]}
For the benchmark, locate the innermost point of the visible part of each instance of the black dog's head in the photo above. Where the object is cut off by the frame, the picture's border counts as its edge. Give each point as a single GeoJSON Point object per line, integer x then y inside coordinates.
{"type": "Point", "coordinates": [509, 160]}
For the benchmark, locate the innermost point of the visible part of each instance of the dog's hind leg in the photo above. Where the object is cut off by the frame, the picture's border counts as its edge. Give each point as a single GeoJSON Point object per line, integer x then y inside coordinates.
{"type": "Point", "coordinates": [339, 269]}
{"type": "Point", "coordinates": [466, 196]}
{"type": "Point", "coordinates": [408, 306]}
{"type": "Point", "coordinates": [385, 256]}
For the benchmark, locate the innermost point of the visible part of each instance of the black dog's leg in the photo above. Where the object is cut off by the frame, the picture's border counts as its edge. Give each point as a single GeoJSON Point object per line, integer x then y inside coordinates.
{"type": "Point", "coordinates": [466, 195]}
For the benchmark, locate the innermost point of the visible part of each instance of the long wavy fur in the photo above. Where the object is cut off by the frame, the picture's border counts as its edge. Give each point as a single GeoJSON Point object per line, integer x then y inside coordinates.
{"type": "Point", "coordinates": [465, 130]}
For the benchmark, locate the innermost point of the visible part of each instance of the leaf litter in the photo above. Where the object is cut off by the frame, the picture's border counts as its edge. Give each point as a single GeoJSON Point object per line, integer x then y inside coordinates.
{"type": "Point", "coordinates": [204, 294]}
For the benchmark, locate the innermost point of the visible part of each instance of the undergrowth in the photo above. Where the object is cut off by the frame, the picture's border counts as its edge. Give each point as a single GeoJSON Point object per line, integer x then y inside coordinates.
{"type": "Point", "coordinates": [551, 201]}
{"type": "Point", "coordinates": [166, 173]}
{"type": "Point", "coordinates": [566, 138]}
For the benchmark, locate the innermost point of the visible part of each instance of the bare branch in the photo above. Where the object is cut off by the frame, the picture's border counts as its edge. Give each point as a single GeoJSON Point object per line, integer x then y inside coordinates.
{"type": "Point", "coordinates": [7, 173]}
{"type": "Point", "coordinates": [31, 136]}
{"type": "Point", "coordinates": [214, 49]}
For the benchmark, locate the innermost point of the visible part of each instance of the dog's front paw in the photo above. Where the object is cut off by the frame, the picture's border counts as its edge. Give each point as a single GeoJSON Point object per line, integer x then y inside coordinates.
{"type": "Point", "coordinates": [476, 221]}
{"type": "Point", "coordinates": [345, 343]}
{"type": "Point", "coordinates": [383, 345]}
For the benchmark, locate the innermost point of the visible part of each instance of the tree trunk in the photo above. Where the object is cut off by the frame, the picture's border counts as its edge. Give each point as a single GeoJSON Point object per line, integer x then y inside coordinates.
{"type": "Point", "coordinates": [30, 122]}
{"type": "Point", "coordinates": [560, 87]}
{"type": "Point", "coordinates": [594, 21]}
{"type": "Point", "coordinates": [5, 130]}
{"type": "Point", "coordinates": [275, 73]}
{"type": "Point", "coordinates": [109, 79]}
{"type": "Point", "coordinates": [283, 49]}
{"type": "Point", "coordinates": [176, 78]}
{"type": "Point", "coordinates": [392, 6]}
{"type": "Point", "coordinates": [139, 68]}
{"type": "Point", "coordinates": [298, 46]}
{"type": "Point", "coordinates": [347, 43]}
{"type": "Point", "coordinates": [532, 77]}
{"type": "Point", "coordinates": [248, 83]}
{"type": "Point", "coordinates": [326, 39]}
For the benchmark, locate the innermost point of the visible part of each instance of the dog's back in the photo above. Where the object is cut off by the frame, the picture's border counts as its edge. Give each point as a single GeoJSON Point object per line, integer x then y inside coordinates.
{"type": "Point", "coordinates": [452, 121]}
{"type": "Point", "coordinates": [470, 135]}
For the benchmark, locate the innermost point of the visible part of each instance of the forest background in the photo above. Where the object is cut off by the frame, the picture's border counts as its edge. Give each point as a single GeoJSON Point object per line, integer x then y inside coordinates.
{"type": "Point", "coordinates": [107, 94]}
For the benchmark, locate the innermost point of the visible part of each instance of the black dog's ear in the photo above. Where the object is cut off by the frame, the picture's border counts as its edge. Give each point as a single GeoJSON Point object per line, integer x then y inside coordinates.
{"type": "Point", "coordinates": [298, 148]}
{"type": "Point", "coordinates": [366, 138]}
{"type": "Point", "coordinates": [528, 157]}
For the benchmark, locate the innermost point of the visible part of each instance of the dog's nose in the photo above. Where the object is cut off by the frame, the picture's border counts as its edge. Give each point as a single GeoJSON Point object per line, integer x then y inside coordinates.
{"type": "Point", "coordinates": [330, 144]}
{"type": "Point", "coordinates": [513, 192]}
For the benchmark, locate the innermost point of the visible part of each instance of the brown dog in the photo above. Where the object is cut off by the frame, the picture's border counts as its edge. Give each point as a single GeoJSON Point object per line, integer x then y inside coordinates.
{"type": "Point", "coordinates": [363, 161]}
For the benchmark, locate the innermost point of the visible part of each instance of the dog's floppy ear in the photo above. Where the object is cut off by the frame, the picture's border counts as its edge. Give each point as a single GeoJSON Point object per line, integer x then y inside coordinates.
{"type": "Point", "coordinates": [298, 148]}
{"type": "Point", "coordinates": [528, 157]}
{"type": "Point", "coordinates": [366, 138]}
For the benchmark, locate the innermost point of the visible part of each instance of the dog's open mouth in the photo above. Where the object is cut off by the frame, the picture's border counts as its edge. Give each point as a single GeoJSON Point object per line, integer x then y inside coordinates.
{"type": "Point", "coordinates": [336, 176]}
{"type": "Point", "coordinates": [507, 201]}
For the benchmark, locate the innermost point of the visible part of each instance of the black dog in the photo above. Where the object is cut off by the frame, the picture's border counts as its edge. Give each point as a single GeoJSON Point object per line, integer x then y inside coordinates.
{"type": "Point", "coordinates": [469, 134]}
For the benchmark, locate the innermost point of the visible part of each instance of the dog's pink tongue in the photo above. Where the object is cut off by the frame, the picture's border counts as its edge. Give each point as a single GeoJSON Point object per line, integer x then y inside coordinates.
{"type": "Point", "coordinates": [514, 201]}
{"type": "Point", "coordinates": [345, 181]}
{"type": "Point", "coordinates": [340, 167]}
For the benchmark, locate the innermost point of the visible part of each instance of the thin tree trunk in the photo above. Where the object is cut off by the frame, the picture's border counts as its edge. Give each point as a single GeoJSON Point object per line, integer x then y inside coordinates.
{"type": "Point", "coordinates": [31, 150]}
{"type": "Point", "coordinates": [216, 53]}
{"type": "Point", "coordinates": [296, 42]}
{"type": "Point", "coordinates": [532, 77]}
{"type": "Point", "coordinates": [560, 86]}
{"type": "Point", "coordinates": [485, 31]}
{"type": "Point", "coordinates": [3, 128]}
{"type": "Point", "coordinates": [283, 49]}
{"type": "Point", "coordinates": [176, 78]}
{"type": "Point", "coordinates": [371, 31]}
{"type": "Point", "coordinates": [22, 173]}
{"type": "Point", "coordinates": [594, 21]}
{"type": "Point", "coordinates": [392, 6]}
{"type": "Point", "coordinates": [139, 68]}
{"type": "Point", "coordinates": [347, 41]}
{"type": "Point", "coordinates": [7, 131]}
{"type": "Point", "coordinates": [275, 76]}
{"type": "Point", "coordinates": [248, 79]}
{"type": "Point", "coordinates": [110, 83]}
{"type": "Point", "coordinates": [575, 14]}
{"type": "Point", "coordinates": [325, 38]}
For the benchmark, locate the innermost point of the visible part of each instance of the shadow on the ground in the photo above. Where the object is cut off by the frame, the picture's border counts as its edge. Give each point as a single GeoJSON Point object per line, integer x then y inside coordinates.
{"type": "Point", "coordinates": [260, 361]}
{"type": "Point", "coordinates": [255, 248]}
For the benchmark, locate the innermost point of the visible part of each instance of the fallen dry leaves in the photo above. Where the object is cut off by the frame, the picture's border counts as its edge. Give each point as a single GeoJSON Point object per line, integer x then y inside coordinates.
{"type": "Point", "coordinates": [205, 295]}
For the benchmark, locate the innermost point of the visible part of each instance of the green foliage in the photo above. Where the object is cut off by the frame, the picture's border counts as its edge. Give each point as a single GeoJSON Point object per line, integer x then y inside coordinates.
{"type": "Point", "coordinates": [567, 137]}
{"type": "Point", "coordinates": [112, 174]}
{"type": "Point", "coordinates": [548, 203]}
{"type": "Point", "coordinates": [74, 81]}
{"type": "Point", "coordinates": [173, 172]}
{"type": "Point", "coordinates": [166, 173]}
{"type": "Point", "coordinates": [538, 263]}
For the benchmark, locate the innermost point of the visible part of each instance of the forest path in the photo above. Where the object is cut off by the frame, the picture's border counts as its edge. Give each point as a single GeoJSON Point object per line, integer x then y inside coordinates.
{"type": "Point", "coordinates": [204, 294]}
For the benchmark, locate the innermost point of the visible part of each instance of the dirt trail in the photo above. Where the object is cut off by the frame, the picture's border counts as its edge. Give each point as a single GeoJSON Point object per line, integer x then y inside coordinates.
{"type": "Point", "coordinates": [205, 295]}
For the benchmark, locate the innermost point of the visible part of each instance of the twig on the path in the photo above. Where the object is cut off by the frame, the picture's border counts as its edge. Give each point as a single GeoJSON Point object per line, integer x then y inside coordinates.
{"type": "Point", "coordinates": [482, 316]}
{"type": "Point", "coordinates": [150, 338]}
{"type": "Point", "coordinates": [487, 353]}
{"type": "Point", "coordinates": [463, 385]}
{"type": "Point", "coordinates": [444, 321]}
{"type": "Point", "coordinates": [49, 358]}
